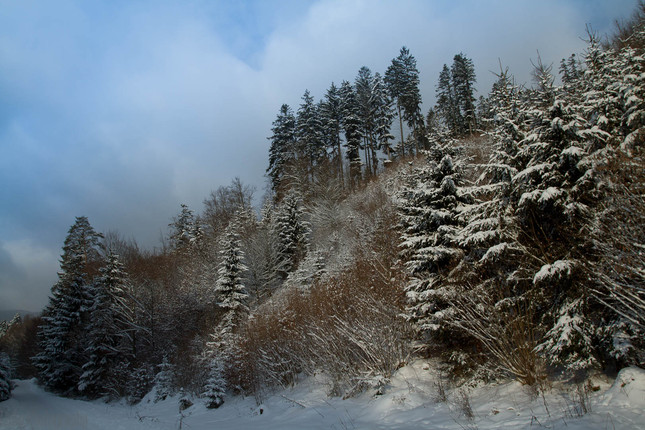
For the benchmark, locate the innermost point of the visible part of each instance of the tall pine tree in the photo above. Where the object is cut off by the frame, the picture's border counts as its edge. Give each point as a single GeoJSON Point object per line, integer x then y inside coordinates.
{"type": "Point", "coordinates": [63, 334]}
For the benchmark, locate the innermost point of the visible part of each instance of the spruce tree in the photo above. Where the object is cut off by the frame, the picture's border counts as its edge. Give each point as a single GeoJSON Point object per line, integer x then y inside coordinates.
{"type": "Point", "coordinates": [293, 232]}
{"type": "Point", "coordinates": [164, 380]}
{"type": "Point", "coordinates": [352, 129]}
{"type": "Point", "coordinates": [383, 116]}
{"type": "Point", "coordinates": [364, 86]}
{"type": "Point", "coordinates": [215, 388]}
{"type": "Point", "coordinates": [430, 218]}
{"type": "Point", "coordinates": [63, 334]}
{"type": "Point", "coordinates": [233, 302]}
{"type": "Point", "coordinates": [332, 122]}
{"type": "Point", "coordinates": [6, 385]}
{"type": "Point", "coordinates": [447, 107]}
{"type": "Point", "coordinates": [186, 232]}
{"type": "Point", "coordinates": [463, 80]}
{"type": "Point", "coordinates": [282, 154]}
{"type": "Point", "coordinates": [402, 80]}
{"type": "Point", "coordinates": [110, 329]}
{"type": "Point", "coordinates": [309, 130]}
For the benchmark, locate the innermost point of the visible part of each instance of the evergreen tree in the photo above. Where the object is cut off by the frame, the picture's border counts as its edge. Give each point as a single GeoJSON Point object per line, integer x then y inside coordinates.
{"type": "Point", "coordinates": [431, 224]}
{"type": "Point", "coordinates": [352, 129]}
{"type": "Point", "coordinates": [282, 154]}
{"type": "Point", "coordinates": [6, 386]}
{"type": "Point", "coordinates": [63, 334]}
{"type": "Point", "coordinates": [293, 232]}
{"type": "Point", "coordinates": [110, 330]}
{"type": "Point", "coordinates": [230, 286]}
{"type": "Point", "coordinates": [164, 379]}
{"type": "Point", "coordinates": [364, 86]}
{"type": "Point", "coordinates": [447, 107]}
{"type": "Point", "coordinates": [332, 123]}
{"type": "Point", "coordinates": [215, 388]}
{"type": "Point", "coordinates": [309, 132]}
{"type": "Point", "coordinates": [463, 80]}
{"type": "Point", "coordinates": [233, 302]}
{"type": "Point", "coordinates": [383, 116]}
{"type": "Point", "coordinates": [402, 80]}
{"type": "Point", "coordinates": [187, 233]}
{"type": "Point", "coordinates": [263, 258]}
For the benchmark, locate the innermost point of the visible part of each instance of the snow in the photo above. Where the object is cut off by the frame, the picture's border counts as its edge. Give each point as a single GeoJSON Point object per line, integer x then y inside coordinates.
{"type": "Point", "coordinates": [550, 272]}
{"type": "Point", "coordinates": [410, 400]}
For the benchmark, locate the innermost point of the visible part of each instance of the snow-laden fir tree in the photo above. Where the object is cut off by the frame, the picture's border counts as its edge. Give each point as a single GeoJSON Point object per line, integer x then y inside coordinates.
{"type": "Point", "coordinates": [164, 379]}
{"type": "Point", "coordinates": [263, 259]}
{"type": "Point", "coordinates": [383, 116]}
{"type": "Point", "coordinates": [110, 329]}
{"type": "Point", "coordinates": [233, 303]}
{"type": "Point", "coordinates": [463, 84]}
{"type": "Point", "coordinates": [292, 230]}
{"type": "Point", "coordinates": [186, 232]}
{"type": "Point", "coordinates": [429, 208]}
{"type": "Point", "coordinates": [6, 385]}
{"type": "Point", "coordinates": [496, 307]}
{"type": "Point", "coordinates": [332, 122]}
{"type": "Point", "coordinates": [283, 152]}
{"type": "Point", "coordinates": [63, 334]}
{"type": "Point", "coordinates": [447, 107]}
{"type": "Point", "coordinates": [402, 80]}
{"type": "Point", "coordinates": [352, 130]}
{"type": "Point", "coordinates": [309, 130]}
{"type": "Point", "coordinates": [215, 388]}
{"type": "Point", "coordinates": [613, 102]}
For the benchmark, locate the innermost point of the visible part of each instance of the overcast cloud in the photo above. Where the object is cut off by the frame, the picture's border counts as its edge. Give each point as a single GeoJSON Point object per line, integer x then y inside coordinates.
{"type": "Point", "coordinates": [122, 110]}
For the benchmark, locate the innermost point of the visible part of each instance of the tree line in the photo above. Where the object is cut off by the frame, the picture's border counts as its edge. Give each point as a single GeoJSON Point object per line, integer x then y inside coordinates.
{"type": "Point", "coordinates": [321, 138]}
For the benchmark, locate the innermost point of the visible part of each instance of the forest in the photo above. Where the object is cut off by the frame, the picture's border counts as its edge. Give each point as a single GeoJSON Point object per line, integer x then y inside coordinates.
{"type": "Point", "coordinates": [501, 235]}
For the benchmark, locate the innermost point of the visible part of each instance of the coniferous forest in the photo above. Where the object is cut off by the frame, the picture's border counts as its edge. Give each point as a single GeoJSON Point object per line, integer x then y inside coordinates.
{"type": "Point", "coordinates": [502, 235]}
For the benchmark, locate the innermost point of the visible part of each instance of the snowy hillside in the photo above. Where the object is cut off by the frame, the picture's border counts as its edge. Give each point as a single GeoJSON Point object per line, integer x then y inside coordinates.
{"type": "Point", "coordinates": [410, 401]}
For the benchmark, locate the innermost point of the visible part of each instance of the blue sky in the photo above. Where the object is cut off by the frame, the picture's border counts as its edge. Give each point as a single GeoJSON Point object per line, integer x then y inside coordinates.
{"type": "Point", "coordinates": [121, 110]}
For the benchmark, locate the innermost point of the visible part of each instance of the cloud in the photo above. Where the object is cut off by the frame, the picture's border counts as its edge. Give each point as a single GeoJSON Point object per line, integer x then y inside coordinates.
{"type": "Point", "coordinates": [25, 268]}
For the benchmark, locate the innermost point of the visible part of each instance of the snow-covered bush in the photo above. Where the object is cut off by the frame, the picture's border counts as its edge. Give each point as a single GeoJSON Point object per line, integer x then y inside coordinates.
{"type": "Point", "coordinates": [345, 325]}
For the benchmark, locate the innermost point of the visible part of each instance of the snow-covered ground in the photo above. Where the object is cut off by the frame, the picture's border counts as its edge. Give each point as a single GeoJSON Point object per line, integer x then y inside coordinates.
{"type": "Point", "coordinates": [410, 401]}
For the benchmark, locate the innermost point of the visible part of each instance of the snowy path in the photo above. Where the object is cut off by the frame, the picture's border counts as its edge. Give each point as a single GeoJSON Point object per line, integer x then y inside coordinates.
{"type": "Point", "coordinates": [408, 403]}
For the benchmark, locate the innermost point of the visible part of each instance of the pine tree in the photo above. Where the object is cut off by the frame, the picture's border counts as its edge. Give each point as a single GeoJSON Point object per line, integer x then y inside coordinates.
{"type": "Point", "coordinates": [293, 232]}
{"type": "Point", "coordinates": [309, 132]}
{"type": "Point", "coordinates": [364, 85]}
{"type": "Point", "coordinates": [164, 380]}
{"type": "Point", "coordinates": [383, 116]}
{"type": "Point", "coordinates": [63, 334]}
{"type": "Point", "coordinates": [463, 80]}
{"type": "Point", "coordinates": [431, 224]}
{"type": "Point", "coordinates": [187, 233]}
{"type": "Point", "coordinates": [402, 80]}
{"type": "Point", "coordinates": [352, 129]}
{"type": "Point", "coordinates": [6, 385]}
{"type": "Point", "coordinates": [231, 291]}
{"type": "Point", "coordinates": [332, 122]}
{"type": "Point", "coordinates": [263, 258]}
{"type": "Point", "coordinates": [233, 301]}
{"type": "Point", "coordinates": [447, 107]}
{"type": "Point", "coordinates": [282, 154]}
{"type": "Point", "coordinates": [215, 388]}
{"type": "Point", "coordinates": [552, 207]}
{"type": "Point", "coordinates": [110, 330]}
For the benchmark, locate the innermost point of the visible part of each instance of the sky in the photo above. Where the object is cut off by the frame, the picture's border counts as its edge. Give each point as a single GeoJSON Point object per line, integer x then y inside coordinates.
{"type": "Point", "coordinates": [121, 110]}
